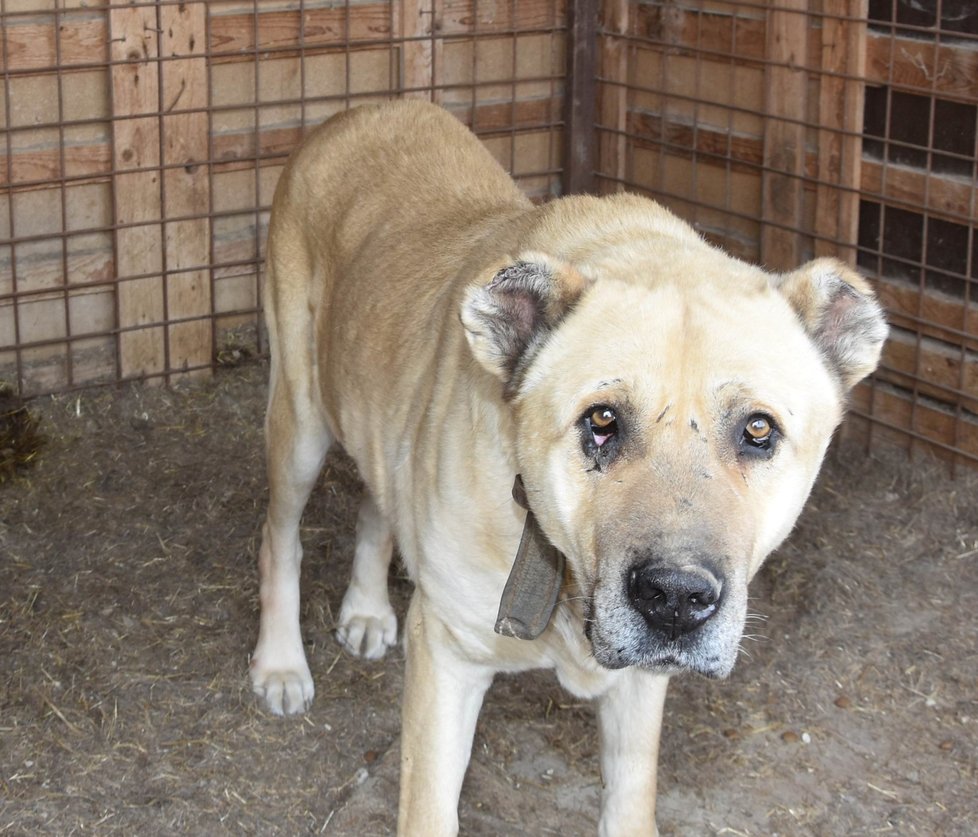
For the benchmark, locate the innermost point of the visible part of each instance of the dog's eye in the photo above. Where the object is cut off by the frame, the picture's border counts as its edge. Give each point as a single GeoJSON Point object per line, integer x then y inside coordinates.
{"type": "Point", "coordinates": [758, 429]}
{"type": "Point", "coordinates": [603, 423]}
{"type": "Point", "coordinates": [759, 434]}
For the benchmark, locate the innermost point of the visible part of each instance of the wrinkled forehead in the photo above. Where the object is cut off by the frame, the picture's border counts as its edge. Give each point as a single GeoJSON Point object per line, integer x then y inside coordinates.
{"type": "Point", "coordinates": [697, 344]}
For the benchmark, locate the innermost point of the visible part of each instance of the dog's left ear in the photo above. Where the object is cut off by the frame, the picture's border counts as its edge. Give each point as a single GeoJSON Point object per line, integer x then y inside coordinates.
{"type": "Point", "coordinates": [840, 313]}
{"type": "Point", "coordinates": [507, 317]}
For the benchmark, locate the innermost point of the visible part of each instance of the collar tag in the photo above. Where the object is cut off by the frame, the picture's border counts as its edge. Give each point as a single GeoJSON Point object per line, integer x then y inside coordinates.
{"type": "Point", "coordinates": [531, 591]}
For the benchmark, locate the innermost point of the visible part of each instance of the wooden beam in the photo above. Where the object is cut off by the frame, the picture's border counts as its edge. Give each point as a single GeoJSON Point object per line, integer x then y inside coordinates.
{"type": "Point", "coordinates": [613, 93]}
{"type": "Point", "coordinates": [136, 190]}
{"type": "Point", "coordinates": [579, 119]}
{"type": "Point", "coordinates": [76, 37]}
{"type": "Point", "coordinates": [785, 100]}
{"type": "Point", "coordinates": [943, 196]}
{"type": "Point", "coordinates": [840, 108]}
{"type": "Point", "coordinates": [186, 185]}
{"type": "Point", "coordinates": [421, 52]}
{"type": "Point", "coordinates": [929, 313]}
{"type": "Point", "coordinates": [900, 414]}
{"type": "Point", "coordinates": [279, 30]}
{"type": "Point", "coordinates": [944, 373]}
{"type": "Point", "coordinates": [948, 70]}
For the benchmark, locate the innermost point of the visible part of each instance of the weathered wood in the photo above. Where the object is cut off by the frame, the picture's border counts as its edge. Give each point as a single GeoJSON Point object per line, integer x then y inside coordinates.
{"type": "Point", "coordinates": [902, 415]}
{"type": "Point", "coordinates": [743, 153]}
{"type": "Point", "coordinates": [186, 185]}
{"type": "Point", "coordinates": [785, 109]}
{"type": "Point", "coordinates": [614, 96]}
{"type": "Point", "coordinates": [32, 43]}
{"type": "Point", "coordinates": [465, 16]}
{"type": "Point", "coordinates": [942, 196]}
{"type": "Point", "coordinates": [840, 109]}
{"type": "Point", "coordinates": [237, 35]}
{"type": "Point", "coordinates": [136, 190]}
{"type": "Point", "coordinates": [931, 313]}
{"type": "Point", "coordinates": [949, 69]}
{"type": "Point", "coordinates": [914, 64]}
{"type": "Point", "coordinates": [579, 108]}
{"type": "Point", "coordinates": [234, 149]}
{"type": "Point", "coordinates": [940, 371]}
{"type": "Point", "coordinates": [38, 164]}
{"type": "Point", "coordinates": [421, 52]}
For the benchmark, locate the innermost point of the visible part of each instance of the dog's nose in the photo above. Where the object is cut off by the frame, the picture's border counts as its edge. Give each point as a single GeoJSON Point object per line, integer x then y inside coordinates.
{"type": "Point", "coordinates": [674, 602]}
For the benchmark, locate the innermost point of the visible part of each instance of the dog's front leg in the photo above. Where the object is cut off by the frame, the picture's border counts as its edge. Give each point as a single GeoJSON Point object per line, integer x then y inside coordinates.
{"type": "Point", "coordinates": [630, 718]}
{"type": "Point", "coordinates": [442, 696]}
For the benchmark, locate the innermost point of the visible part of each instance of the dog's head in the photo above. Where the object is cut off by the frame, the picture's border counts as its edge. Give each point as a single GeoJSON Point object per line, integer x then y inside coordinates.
{"type": "Point", "coordinates": [671, 415]}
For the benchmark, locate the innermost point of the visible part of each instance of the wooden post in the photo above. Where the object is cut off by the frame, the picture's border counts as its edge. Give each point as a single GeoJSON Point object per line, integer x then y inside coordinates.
{"type": "Point", "coordinates": [786, 81]}
{"type": "Point", "coordinates": [186, 185]}
{"type": "Point", "coordinates": [579, 120]}
{"type": "Point", "coordinates": [840, 107]}
{"type": "Point", "coordinates": [612, 141]}
{"type": "Point", "coordinates": [134, 36]}
{"type": "Point", "coordinates": [420, 52]}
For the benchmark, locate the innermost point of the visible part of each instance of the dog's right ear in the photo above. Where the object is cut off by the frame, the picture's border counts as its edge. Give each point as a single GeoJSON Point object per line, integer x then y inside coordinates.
{"type": "Point", "coordinates": [507, 318]}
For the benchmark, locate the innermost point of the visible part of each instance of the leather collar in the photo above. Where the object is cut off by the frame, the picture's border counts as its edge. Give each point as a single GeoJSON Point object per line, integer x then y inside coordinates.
{"type": "Point", "coordinates": [534, 582]}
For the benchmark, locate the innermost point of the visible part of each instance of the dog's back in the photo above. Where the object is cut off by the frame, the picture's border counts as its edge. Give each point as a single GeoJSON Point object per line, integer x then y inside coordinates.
{"type": "Point", "coordinates": [406, 173]}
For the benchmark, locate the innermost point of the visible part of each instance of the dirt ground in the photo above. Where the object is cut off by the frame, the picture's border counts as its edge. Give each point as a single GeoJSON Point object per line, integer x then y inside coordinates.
{"type": "Point", "coordinates": [128, 607]}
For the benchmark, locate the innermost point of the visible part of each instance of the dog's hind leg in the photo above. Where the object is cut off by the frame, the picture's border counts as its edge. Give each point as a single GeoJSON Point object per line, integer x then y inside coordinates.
{"type": "Point", "coordinates": [367, 624]}
{"type": "Point", "coordinates": [297, 440]}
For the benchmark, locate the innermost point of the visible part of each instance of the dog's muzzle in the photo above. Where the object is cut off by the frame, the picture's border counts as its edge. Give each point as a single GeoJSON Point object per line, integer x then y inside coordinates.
{"type": "Point", "coordinates": [667, 616]}
{"type": "Point", "coordinates": [673, 602]}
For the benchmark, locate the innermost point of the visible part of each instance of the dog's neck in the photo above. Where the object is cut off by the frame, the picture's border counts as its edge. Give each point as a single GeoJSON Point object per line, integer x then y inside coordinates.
{"type": "Point", "coordinates": [534, 582]}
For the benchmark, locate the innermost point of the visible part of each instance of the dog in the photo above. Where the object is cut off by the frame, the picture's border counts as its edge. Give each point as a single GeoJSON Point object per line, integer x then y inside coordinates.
{"type": "Point", "coordinates": [584, 427]}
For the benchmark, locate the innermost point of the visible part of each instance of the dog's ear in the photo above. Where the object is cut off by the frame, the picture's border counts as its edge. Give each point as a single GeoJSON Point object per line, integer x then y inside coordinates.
{"type": "Point", "coordinates": [508, 314]}
{"type": "Point", "coordinates": [839, 311]}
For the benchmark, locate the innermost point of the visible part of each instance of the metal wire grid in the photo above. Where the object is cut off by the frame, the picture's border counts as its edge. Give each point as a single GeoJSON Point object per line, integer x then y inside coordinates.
{"type": "Point", "coordinates": [689, 92]}
{"type": "Point", "coordinates": [667, 123]}
{"type": "Point", "coordinates": [119, 229]}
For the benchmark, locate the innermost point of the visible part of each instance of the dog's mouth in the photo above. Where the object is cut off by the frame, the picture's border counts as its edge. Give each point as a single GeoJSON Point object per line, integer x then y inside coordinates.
{"type": "Point", "coordinates": [622, 634]}
{"type": "Point", "coordinates": [659, 658]}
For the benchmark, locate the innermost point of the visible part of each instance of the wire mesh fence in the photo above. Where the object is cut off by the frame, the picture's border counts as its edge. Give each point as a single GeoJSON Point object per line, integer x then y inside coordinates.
{"type": "Point", "coordinates": [141, 144]}
{"type": "Point", "coordinates": [796, 129]}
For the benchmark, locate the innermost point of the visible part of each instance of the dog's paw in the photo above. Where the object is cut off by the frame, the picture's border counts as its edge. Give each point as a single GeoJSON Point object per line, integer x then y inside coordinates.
{"type": "Point", "coordinates": [366, 629]}
{"type": "Point", "coordinates": [286, 691]}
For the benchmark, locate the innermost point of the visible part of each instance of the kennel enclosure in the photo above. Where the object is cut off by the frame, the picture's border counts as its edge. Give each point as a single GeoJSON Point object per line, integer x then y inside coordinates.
{"type": "Point", "coordinates": [141, 144]}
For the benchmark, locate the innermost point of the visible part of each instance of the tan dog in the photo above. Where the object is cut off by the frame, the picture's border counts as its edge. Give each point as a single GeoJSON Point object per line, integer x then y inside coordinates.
{"type": "Point", "coordinates": [667, 406]}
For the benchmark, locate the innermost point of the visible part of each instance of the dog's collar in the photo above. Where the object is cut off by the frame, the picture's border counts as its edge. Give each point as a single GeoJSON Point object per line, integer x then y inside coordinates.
{"type": "Point", "coordinates": [531, 590]}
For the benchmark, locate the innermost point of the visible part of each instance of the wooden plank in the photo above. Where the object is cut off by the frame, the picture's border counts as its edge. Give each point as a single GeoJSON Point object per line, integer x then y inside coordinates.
{"type": "Point", "coordinates": [579, 105]}
{"type": "Point", "coordinates": [237, 148]}
{"type": "Point", "coordinates": [36, 165]}
{"type": "Point", "coordinates": [237, 35]}
{"type": "Point", "coordinates": [901, 415]}
{"type": "Point", "coordinates": [931, 313]}
{"type": "Point", "coordinates": [744, 153]}
{"type": "Point", "coordinates": [947, 69]}
{"type": "Point", "coordinates": [918, 65]}
{"type": "Point", "coordinates": [840, 109]}
{"type": "Point", "coordinates": [613, 103]}
{"type": "Point", "coordinates": [785, 108]}
{"type": "Point", "coordinates": [939, 371]}
{"type": "Point", "coordinates": [421, 53]}
{"type": "Point", "coordinates": [946, 197]}
{"type": "Point", "coordinates": [31, 43]}
{"type": "Point", "coordinates": [475, 16]}
{"type": "Point", "coordinates": [136, 189]}
{"type": "Point", "coordinates": [186, 185]}
{"type": "Point", "coordinates": [740, 35]}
